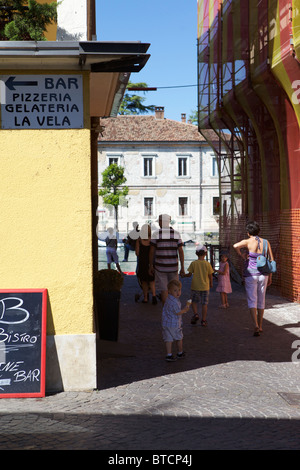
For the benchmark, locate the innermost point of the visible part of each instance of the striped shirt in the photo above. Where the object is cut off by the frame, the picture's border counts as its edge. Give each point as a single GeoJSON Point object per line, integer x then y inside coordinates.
{"type": "Point", "coordinates": [166, 242]}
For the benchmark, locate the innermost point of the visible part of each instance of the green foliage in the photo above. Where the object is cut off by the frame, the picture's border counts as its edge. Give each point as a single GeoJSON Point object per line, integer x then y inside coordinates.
{"type": "Point", "coordinates": [193, 117]}
{"type": "Point", "coordinates": [22, 20]}
{"type": "Point", "coordinates": [112, 189]}
{"type": "Point", "coordinates": [112, 180]}
{"type": "Point", "coordinates": [133, 104]}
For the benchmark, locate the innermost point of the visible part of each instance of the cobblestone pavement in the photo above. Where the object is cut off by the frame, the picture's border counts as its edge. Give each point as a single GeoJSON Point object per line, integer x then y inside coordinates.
{"type": "Point", "coordinates": [231, 391]}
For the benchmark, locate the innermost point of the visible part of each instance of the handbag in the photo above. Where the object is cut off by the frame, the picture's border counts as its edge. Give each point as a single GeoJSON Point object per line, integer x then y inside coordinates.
{"type": "Point", "coordinates": [263, 263]}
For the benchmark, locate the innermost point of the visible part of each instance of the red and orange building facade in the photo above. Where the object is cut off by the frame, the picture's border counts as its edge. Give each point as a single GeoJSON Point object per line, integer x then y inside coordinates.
{"type": "Point", "coordinates": [249, 94]}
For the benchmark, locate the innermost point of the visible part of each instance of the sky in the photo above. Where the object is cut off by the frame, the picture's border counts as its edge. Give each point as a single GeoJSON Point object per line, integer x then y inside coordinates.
{"type": "Point", "coordinates": [170, 26]}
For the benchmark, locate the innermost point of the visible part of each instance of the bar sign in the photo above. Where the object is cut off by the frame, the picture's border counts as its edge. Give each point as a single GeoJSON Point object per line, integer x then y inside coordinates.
{"type": "Point", "coordinates": [41, 102]}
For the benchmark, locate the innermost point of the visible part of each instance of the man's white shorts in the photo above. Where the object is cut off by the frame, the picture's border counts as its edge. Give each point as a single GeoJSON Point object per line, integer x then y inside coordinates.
{"type": "Point", "coordinates": [162, 279]}
{"type": "Point", "coordinates": [256, 291]}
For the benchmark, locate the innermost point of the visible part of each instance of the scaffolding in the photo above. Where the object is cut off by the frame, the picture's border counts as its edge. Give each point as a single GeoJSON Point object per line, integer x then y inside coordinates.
{"type": "Point", "coordinates": [217, 127]}
{"type": "Point", "coordinates": [248, 111]}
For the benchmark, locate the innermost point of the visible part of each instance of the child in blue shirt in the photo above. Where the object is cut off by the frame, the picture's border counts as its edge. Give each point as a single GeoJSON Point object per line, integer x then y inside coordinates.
{"type": "Point", "coordinates": [172, 320]}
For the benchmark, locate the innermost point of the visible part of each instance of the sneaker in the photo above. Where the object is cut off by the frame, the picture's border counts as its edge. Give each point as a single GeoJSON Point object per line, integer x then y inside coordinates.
{"type": "Point", "coordinates": [194, 319]}
{"type": "Point", "coordinates": [180, 355]}
{"type": "Point", "coordinates": [170, 358]}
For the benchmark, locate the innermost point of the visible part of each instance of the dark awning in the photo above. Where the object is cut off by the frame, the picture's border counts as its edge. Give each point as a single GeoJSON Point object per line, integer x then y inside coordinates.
{"type": "Point", "coordinates": [95, 56]}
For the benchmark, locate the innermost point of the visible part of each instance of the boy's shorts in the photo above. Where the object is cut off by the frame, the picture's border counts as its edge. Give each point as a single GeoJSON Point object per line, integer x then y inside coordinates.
{"type": "Point", "coordinates": [200, 296]}
{"type": "Point", "coordinates": [172, 333]}
{"type": "Point", "coordinates": [111, 255]}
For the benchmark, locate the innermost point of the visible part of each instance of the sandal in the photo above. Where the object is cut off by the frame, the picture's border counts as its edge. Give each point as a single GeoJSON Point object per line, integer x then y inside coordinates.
{"type": "Point", "coordinates": [203, 323]}
{"type": "Point", "coordinates": [194, 319]}
{"type": "Point", "coordinates": [256, 332]}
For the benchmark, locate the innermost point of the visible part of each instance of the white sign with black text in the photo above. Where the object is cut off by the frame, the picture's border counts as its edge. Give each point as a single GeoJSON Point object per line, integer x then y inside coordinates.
{"type": "Point", "coordinates": [41, 101]}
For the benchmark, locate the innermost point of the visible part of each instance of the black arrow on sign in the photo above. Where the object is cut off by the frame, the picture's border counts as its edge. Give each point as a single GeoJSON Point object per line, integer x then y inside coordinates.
{"type": "Point", "coordinates": [11, 83]}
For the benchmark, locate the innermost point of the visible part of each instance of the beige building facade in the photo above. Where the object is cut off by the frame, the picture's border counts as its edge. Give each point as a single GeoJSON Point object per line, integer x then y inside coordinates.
{"type": "Point", "coordinates": [169, 169]}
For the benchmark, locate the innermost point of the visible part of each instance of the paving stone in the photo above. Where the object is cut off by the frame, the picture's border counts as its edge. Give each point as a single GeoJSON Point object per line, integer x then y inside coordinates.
{"type": "Point", "coordinates": [231, 391]}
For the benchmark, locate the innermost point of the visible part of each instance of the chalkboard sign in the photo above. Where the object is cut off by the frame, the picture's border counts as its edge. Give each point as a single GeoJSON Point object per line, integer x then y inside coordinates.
{"type": "Point", "coordinates": [22, 342]}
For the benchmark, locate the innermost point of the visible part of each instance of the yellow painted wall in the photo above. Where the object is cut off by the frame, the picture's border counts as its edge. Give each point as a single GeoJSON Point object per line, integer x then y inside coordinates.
{"type": "Point", "coordinates": [52, 29]}
{"type": "Point", "coordinates": [45, 227]}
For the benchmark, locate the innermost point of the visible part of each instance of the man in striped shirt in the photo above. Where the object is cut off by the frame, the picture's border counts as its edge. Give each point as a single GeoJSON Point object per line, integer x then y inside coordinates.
{"type": "Point", "coordinates": [165, 247]}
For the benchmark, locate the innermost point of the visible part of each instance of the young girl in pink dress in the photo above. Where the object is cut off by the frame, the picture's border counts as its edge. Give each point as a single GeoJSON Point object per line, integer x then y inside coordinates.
{"type": "Point", "coordinates": [224, 284]}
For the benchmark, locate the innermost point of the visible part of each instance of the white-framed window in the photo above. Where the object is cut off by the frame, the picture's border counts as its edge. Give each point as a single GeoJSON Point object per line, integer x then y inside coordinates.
{"type": "Point", "coordinates": [183, 206]}
{"type": "Point", "coordinates": [113, 158]}
{"type": "Point", "coordinates": [148, 166]}
{"type": "Point", "coordinates": [149, 206]}
{"type": "Point", "coordinates": [183, 165]}
{"type": "Point", "coordinates": [111, 212]}
{"type": "Point", "coordinates": [214, 170]}
{"type": "Point", "coordinates": [216, 205]}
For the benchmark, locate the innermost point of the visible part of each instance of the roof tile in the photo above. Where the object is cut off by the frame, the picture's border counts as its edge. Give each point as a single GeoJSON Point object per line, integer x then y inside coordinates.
{"type": "Point", "coordinates": [137, 128]}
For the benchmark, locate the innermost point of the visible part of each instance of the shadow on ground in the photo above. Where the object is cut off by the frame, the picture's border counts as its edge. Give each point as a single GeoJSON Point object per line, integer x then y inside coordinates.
{"type": "Point", "coordinates": [100, 432]}
{"type": "Point", "coordinates": [228, 337]}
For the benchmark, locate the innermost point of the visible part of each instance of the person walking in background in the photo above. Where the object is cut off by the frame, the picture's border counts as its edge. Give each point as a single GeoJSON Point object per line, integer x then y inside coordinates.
{"type": "Point", "coordinates": [166, 245]}
{"type": "Point", "coordinates": [142, 250]}
{"type": "Point", "coordinates": [172, 320]}
{"type": "Point", "coordinates": [130, 240]}
{"type": "Point", "coordinates": [224, 284]}
{"type": "Point", "coordinates": [202, 281]}
{"type": "Point", "coordinates": [111, 249]}
{"type": "Point", "coordinates": [255, 282]}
